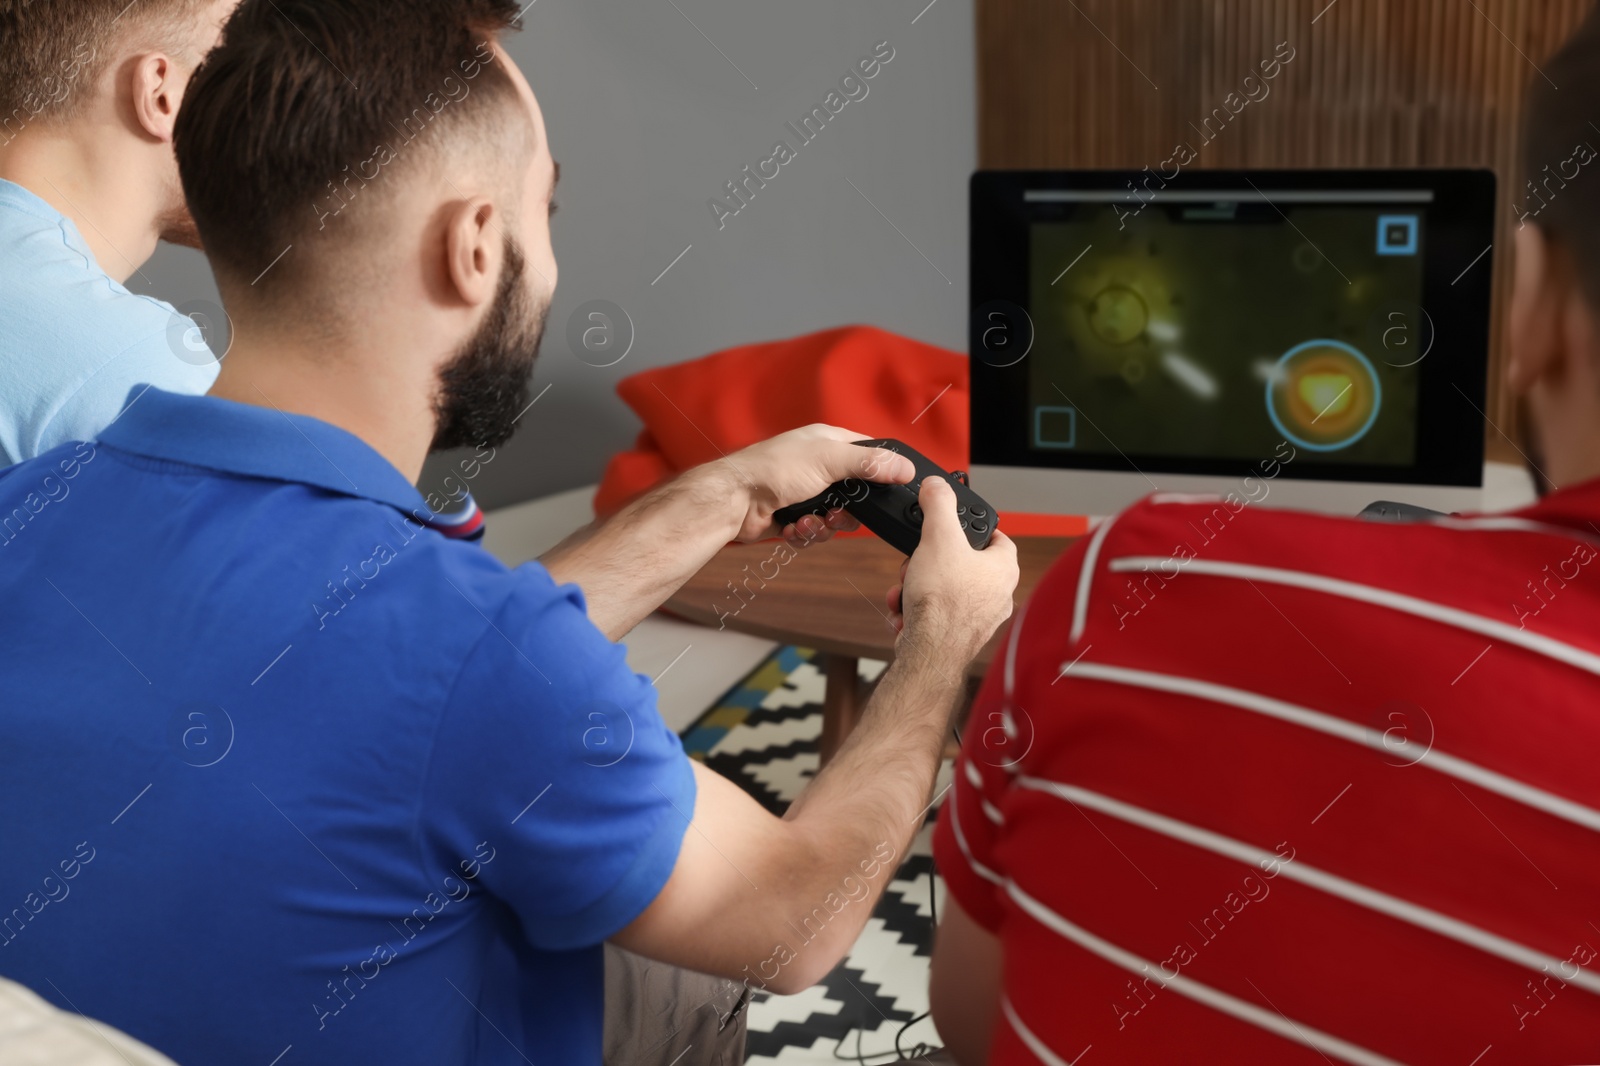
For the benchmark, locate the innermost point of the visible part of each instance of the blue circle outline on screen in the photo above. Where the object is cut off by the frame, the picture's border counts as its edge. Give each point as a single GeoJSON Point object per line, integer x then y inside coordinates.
{"type": "Point", "coordinates": [1377, 394]}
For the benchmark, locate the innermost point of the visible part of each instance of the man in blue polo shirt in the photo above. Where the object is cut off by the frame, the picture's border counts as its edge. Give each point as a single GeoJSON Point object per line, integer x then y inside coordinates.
{"type": "Point", "coordinates": [290, 776]}
{"type": "Point", "coordinates": [89, 93]}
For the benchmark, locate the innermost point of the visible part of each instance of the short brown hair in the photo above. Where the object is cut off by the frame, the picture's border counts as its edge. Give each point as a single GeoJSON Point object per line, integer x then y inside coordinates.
{"type": "Point", "coordinates": [307, 102]}
{"type": "Point", "coordinates": [1560, 145]}
{"type": "Point", "coordinates": [51, 51]}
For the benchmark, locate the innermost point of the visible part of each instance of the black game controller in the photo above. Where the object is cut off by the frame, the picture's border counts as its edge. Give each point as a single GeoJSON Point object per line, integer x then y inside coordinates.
{"type": "Point", "coordinates": [892, 511]}
{"type": "Point", "coordinates": [1389, 511]}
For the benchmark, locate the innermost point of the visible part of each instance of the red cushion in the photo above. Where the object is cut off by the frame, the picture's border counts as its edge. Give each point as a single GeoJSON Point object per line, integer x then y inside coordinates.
{"type": "Point", "coordinates": [876, 383]}
{"type": "Point", "coordinates": [856, 376]}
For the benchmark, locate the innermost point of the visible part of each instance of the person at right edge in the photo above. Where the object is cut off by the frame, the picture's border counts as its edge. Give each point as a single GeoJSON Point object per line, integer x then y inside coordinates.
{"type": "Point", "coordinates": [1321, 789]}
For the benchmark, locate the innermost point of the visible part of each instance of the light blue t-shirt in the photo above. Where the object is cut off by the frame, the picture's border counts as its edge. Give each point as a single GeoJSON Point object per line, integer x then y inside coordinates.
{"type": "Point", "coordinates": [73, 341]}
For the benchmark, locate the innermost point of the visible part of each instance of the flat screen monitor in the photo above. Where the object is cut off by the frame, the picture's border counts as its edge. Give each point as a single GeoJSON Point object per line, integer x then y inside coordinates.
{"type": "Point", "coordinates": [1132, 333]}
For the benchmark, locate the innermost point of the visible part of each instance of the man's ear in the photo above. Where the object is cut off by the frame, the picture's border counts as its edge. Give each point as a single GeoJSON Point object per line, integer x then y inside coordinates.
{"type": "Point", "coordinates": [473, 248]}
{"type": "Point", "coordinates": [1536, 309]}
{"type": "Point", "coordinates": [158, 84]}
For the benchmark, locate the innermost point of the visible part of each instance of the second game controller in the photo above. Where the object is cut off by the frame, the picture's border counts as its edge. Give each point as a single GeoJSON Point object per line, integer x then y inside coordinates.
{"type": "Point", "coordinates": [892, 511]}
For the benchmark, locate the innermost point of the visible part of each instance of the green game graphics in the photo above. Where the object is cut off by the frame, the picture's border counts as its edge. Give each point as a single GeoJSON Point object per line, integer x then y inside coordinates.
{"type": "Point", "coordinates": [1195, 334]}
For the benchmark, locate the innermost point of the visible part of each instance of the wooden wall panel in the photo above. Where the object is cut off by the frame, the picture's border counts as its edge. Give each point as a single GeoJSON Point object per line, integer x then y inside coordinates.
{"type": "Point", "coordinates": [1118, 83]}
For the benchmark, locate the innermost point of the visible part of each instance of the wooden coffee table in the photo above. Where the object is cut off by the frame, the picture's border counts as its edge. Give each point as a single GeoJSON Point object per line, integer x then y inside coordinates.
{"type": "Point", "coordinates": [830, 597]}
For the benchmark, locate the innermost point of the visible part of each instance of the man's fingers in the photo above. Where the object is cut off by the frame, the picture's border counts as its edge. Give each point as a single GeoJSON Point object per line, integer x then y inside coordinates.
{"type": "Point", "coordinates": [842, 521]}
{"type": "Point", "coordinates": [813, 529]}
{"type": "Point", "coordinates": [842, 461]}
{"type": "Point", "coordinates": [807, 529]}
{"type": "Point", "coordinates": [938, 502]}
{"type": "Point", "coordinates": [1005, 544]}
{"type": "Point", "coordinates": [891, 468]}
{"type": "Point", "coordinates": [835, 432]}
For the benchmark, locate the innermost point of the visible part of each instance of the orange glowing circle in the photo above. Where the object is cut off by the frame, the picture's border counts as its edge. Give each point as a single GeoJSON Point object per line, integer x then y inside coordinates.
{"type": "Point", "coordinates": [1323, 395]}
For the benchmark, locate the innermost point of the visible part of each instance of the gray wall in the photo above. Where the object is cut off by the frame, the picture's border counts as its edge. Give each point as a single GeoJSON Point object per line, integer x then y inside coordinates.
{"type": "Point", "coordinates": [649, 121]}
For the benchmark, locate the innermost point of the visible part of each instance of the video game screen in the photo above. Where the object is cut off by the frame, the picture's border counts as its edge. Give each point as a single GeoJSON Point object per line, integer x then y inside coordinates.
{"type": "Point", "coordinates": [1222, 329]}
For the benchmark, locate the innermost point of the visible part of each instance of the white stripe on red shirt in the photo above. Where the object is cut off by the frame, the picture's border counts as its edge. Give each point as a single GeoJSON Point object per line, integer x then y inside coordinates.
{"type": "Point", "coordinates": [1407, 717]}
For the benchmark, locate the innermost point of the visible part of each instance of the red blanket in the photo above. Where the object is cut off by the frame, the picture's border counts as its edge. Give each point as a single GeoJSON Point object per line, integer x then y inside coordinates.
{"type": "Point", "coordinates": [877, 383]}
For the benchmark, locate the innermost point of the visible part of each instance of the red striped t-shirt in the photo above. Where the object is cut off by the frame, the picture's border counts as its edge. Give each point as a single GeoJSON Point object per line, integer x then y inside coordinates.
{"type": "Point", "coordinates": [1247, 785]}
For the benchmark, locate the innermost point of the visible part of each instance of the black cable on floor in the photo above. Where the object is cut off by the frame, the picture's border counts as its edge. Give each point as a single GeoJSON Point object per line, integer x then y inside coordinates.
{"type": "Point", "coordinates": [919, 1051]}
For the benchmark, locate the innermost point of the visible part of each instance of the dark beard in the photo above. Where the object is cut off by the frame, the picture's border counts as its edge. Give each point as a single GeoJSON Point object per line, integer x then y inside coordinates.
{"type": "Point", "coordinates": [483, 390]}
{"type": "Point", "coordinates": [177, 227]}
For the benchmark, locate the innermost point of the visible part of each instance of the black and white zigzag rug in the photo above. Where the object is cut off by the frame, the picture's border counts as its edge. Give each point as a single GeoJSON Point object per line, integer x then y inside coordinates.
{"type": "Point", "coordinates": [763, 735]}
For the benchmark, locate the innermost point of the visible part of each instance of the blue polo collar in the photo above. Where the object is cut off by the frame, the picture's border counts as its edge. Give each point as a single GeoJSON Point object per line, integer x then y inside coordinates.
{"type": "Point", "coordinates": [243, 439]}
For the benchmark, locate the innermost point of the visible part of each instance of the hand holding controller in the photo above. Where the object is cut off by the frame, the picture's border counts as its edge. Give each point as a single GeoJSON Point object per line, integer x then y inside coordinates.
{"type": "Point", "coordinates": [893, 511]}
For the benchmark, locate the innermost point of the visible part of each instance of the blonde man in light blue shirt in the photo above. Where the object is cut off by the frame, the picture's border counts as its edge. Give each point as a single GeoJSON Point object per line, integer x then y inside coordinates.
{"type": "Point", "coordinates": [89, 92]}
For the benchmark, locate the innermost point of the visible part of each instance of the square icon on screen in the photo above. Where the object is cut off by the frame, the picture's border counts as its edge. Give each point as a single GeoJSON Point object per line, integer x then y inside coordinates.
{"type": "Point", "coordinates": [1397, 234]}
{"type": "Point", "coordinates": [1055, 427]}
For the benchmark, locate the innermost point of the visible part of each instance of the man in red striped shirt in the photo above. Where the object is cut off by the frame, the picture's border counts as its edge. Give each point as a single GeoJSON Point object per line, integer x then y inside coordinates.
{"type": "Point", "coordinates": [1248, 785]}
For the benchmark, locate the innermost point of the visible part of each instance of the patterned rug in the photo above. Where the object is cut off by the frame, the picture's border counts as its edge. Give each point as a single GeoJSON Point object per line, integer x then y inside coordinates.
{"type": "Point", "coordinates": [763, 735]}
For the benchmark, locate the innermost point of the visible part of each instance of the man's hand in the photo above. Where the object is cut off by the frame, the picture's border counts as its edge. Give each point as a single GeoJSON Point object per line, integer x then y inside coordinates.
{"type": "Point", "coordinates": [800, 464]}
{"type": "Point", "coordinates": [629, 565]}
{"type": "Point", "coordinates": [745, 883]}
{"type": "Point", "coordinates": [951, 599]}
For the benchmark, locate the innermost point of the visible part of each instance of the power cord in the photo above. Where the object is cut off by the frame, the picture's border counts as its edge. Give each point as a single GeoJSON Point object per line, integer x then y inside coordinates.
{"type": "Point", "coordinates": [919, 1051]}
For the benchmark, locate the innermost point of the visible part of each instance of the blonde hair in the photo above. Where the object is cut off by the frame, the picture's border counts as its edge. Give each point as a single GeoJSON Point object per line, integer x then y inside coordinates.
{"type": "Point", "coordinates": [52, 52]}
